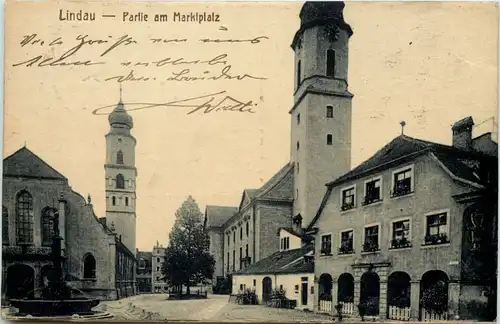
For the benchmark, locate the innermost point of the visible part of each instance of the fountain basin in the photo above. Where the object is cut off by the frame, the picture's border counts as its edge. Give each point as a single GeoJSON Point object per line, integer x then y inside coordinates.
{"type": "Point", "coordinates": [48, 307]}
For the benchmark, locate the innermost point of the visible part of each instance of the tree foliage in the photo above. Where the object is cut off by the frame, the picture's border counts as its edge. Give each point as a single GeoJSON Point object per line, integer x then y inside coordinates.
{"type": "Point", "coordinates": [187, 258]}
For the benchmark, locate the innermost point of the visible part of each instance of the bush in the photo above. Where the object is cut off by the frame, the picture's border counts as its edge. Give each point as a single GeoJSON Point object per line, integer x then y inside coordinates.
{"type": "Point", "coordinates": [223, 287]}
{"type": "Point", "coordinates": [435, 298]}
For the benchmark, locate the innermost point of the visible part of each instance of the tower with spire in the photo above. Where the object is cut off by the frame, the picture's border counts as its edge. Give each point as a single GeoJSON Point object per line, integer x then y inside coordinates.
{"type": "Point", "coordinates": [321, 114]}
{"type": "Point", "coordinates": [120, 176]}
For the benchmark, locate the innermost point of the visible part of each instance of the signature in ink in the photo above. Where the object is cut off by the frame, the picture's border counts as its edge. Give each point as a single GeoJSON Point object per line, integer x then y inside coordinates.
{"type": "Point", "coordinates": [213, 102]}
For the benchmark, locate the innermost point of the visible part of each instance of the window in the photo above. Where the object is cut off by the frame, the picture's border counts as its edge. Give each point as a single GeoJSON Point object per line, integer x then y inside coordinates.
{"type": "Point", "coordinates": [47, 225]}
{"type": "Point", "coordinates": [228, 239]}
{"type": "Point", "coordinates": [400, 234]}
{"type": "Point", "coordinates": [299, 74]}
{"type": "Point", "coordinates": [372, 191]}
{"type": "Point", "coordinates": [234, 258]}
{"type": "Point", "coordinates": [285, 243]}
{"type": "Point", "coordinates": [254, 282]}
{"type": "Point", "coordinates": [298, 145]}
{"type": "Point", "coordinates": [329, 139]}
{"type": "Point", "coordinates": [157, 268]}
{"type": "Point", "coordinates": [24, 218]}
{"type": "Point", "coordinates": [246, 251]}
{"type": "Point", "coordinates": [247, 228]}
{"type": "Point", "coordinates": [241, 253]}
{"type": "Point", "coordinates": [298, 167]}
{"type": "Point", "coordinates": [241, 287]}
{"type": "Point", "coordinates": [329, 112]}
{"type": "Point", "coordinates": [227, 270]}
{"type": "Point", "coordinates": [142, 264]}
{"type": "Point", "coordinates": [348, 198]}
{"type": "Point", "coordinates": [119, 157]}
{"type": "Point", "coordinates": [346, 242]}
{"type": "Point", "coordinates": [298, 119]}
{"type": "Point", "coordinates": [371, 239]}
{"type": "Point", "coordinates": [126, 201]}
{"type": "Point", "coordinates": [403, 182]}
{"type": "Point", "coordinates": [330, 63]}
{"type": "Point", "coordinates": [241, 233]}
{"type": "Point", "coordinates": [89, 267]}
{"type": "Point", "coordinates": [113, 200]}
{"type": "Point", "coordinates": [326, 244]}
{"type": "Point", "coordinates": [234, 237]}
{"type": "Point", "coordinates": [120, 181]}
{"type": "Point", "coordinates": [436, 228]}
{"type": "Point", "coordinates": [157, 259]}
{"type": "Point", "coordinates": [5, 226]}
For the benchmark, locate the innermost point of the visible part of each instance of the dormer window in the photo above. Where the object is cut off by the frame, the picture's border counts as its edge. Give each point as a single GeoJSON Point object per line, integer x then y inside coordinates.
{"type": "Point", "coordinates": [298, 119]}
{"type": "Point", "coordinates": [284, 243]}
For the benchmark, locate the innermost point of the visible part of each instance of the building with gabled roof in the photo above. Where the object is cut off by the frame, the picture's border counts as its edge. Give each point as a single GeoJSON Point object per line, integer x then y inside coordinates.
{"type": "Point", "coordinates": [415, 217]}
{"type": "Point", "coordinates": [96, 262]}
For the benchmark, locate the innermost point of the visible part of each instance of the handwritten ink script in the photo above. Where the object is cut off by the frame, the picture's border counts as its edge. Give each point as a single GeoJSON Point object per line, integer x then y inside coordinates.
{"type": "Point", "coordinates": [213, 102]}
{"type": "Point", "coordinates": [85, 52]}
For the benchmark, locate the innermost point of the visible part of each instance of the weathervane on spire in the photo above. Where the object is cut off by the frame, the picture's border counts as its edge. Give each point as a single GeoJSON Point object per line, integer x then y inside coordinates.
{"type": "Point", "coordinates": [403, 124]}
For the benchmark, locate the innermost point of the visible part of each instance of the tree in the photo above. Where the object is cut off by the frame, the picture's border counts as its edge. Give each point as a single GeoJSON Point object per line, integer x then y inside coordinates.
{"type": "Point", "coordinates": [187, 259]}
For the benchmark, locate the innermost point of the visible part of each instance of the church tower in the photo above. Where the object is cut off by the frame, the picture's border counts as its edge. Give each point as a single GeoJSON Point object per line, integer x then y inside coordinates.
{"type": "Point", "coordinates": [121, 173]}
{"type": "Point", "coordinates": [321, 114]}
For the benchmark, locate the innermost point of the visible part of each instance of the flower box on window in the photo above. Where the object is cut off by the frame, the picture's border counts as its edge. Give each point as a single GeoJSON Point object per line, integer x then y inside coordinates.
{"type": "Point", "coordinates": [370, 200]}
{"type": "Point", "coordinates": [347, 206]}
{"type": "Point", "coordinates": [400, 243]}
{"type": "Point", "coordinates": [436, 239]}
{"type": "Point", "coordinates": [346, 248]}
{"type": "Point", "coordinates": [401, 191]}
{"type": "Point", "coordinates": [370, 246]}
{"type": "Point", "coordinates": [326, 249]}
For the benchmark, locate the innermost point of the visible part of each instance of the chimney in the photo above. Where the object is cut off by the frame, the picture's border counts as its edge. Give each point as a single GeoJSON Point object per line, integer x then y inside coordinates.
{"type": "Point", "coordinates": [462, 134]}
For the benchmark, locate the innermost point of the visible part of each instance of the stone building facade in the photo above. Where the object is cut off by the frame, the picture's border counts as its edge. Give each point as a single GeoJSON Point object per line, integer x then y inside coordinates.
{"type": "Point", "coordinates": [158, 258]}
{"type": "Point", "coordinates": [408, 221]}
{"type": "Point", "coordinates": [249, 234]}
{"type": "Point", "coordinates": [32, 192]}
{"type": "Point", "coordinates": [144, 272]}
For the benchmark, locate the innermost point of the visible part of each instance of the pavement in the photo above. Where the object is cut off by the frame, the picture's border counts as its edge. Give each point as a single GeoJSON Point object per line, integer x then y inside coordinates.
{"type": "Point", "coordinates": [214, 308]}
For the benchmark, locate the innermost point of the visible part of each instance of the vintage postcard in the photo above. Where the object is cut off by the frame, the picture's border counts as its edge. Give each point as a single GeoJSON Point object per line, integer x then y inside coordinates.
{"type": "Point", "coordinates": [246, 161]}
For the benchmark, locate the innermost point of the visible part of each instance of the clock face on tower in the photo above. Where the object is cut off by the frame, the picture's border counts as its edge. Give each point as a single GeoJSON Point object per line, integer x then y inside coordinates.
{"type": "Point", "coordinates": [332, 32]}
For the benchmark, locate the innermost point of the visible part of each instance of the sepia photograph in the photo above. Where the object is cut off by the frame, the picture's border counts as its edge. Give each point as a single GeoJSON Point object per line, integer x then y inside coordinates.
{"type": "Point", "coordinates": [319, 161]}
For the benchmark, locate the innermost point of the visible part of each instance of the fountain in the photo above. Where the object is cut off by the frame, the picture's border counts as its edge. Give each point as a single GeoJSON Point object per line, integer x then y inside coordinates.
{"type": "Point", "coordinates": [56, 298]}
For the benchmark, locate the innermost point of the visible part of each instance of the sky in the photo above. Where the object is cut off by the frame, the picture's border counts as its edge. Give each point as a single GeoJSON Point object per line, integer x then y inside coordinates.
{"type": "Point", "coordinates": [429, 64]}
